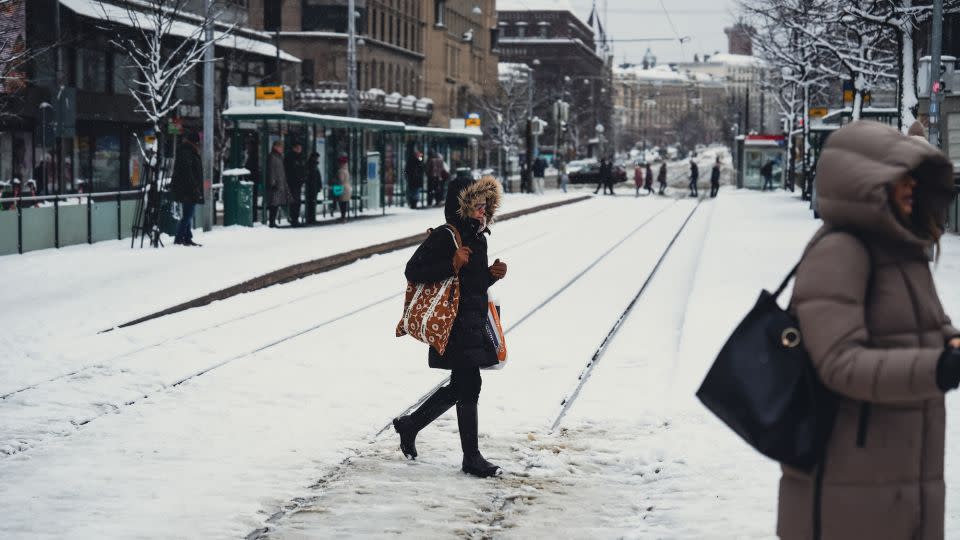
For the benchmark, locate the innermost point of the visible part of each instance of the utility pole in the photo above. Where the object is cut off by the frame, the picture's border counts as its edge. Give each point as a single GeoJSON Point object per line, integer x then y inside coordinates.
{"type": "Point", "coordinates": [208, 105]}
{"type": "Point", "coordinates": [936, 40]}
{"type": "Point", "coordinates": [352, 102]}
{"type": "Point", "coordinates": [58, 111]}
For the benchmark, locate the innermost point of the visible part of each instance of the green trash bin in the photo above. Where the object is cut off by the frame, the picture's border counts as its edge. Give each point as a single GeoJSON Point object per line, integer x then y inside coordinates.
{"type": "Point", "coordinates": [245, 203]}
{"type": "Point", "coordinates": [231, 203]}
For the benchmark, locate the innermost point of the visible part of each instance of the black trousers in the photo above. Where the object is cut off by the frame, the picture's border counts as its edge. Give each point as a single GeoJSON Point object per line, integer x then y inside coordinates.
{"type": "Point", "coordinates": [343, 208]}
{"type": "Point", "coordinates": [296, 189]}
{"type": "Point", "coordinates": [465, 384]}
{"type": "Point", "coordinates": [714, 188]}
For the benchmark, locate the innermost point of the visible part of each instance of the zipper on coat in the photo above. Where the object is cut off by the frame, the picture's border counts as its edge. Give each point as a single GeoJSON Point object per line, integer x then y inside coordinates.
{"type": "Point", "coordinates": [817, 500]}
{"type": "Point", "coordinates": [925, 420]}
{"type": "Point", "coordinates": [862, 424]}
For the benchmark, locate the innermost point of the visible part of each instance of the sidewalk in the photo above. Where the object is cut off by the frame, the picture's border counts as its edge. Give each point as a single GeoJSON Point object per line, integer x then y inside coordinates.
{"type": "Point", "coordinates": [80, 290]}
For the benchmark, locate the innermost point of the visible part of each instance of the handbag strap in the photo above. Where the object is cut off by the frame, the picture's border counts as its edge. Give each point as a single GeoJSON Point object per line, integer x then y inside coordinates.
{"type": "Point", "coordinates": [793, 272]}
{"type": "Point", "coordinates": [457, 241]}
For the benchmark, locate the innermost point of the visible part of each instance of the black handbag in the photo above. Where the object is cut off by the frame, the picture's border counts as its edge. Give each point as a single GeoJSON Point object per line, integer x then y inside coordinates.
{"type": "Point", "coordinates": [764, 386]}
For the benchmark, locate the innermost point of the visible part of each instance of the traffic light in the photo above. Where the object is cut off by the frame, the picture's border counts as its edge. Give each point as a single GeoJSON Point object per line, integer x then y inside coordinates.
{"type": "Point", "coordinates": [563, 126]}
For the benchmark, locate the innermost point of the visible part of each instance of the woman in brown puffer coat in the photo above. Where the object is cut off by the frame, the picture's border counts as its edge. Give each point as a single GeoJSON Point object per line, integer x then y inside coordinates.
{"type": "Point", "coordinates": [879, 338]}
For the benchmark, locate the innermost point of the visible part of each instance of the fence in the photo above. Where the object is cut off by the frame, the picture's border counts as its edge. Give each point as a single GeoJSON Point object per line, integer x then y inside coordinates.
{"type": "Point", "coordinates": [41, 222]}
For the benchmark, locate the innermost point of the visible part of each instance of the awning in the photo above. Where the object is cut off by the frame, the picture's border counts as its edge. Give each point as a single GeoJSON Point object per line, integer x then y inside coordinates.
{"type": "Point", "coordinates": [94, 9]}
{"type": "Point", "coordinates": [255, 113]}
{"type": "Point", "coordinates": [444, 132]}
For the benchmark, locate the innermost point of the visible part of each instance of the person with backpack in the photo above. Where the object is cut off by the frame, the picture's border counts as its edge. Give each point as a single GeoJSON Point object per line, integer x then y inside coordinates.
{"type": "Point", "coordinates": [470, 208]}
{"type": "Point", "coordinates": [879, 339]}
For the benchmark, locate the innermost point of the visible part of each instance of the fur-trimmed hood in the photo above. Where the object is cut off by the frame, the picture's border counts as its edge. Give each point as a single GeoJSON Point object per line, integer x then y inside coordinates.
{"type": "Point", "coordinates": [465, 193]}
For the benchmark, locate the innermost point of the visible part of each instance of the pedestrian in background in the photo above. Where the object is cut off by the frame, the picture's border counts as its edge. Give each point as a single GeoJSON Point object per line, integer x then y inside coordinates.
{"type": "Point", "coordinates": [279, 191]}
{"type": "Point", "coordinates": [470, 207]}
{"type": "Point", "coordinates": [295, 167]}
{"type": "Point", "coordinates": [414, 169]}
{"type": "Point", "coordinates": [186, 185]}
{"type": "Point", "coordinates": [715, 179]}
{"type": "Point", "coordinates": [638, 177]}
{"type": "Point", "coordinates": [342, 188]}
{"type": "Point", "coordinates": [435, 175]}
{"type": "Point", "coordinates": [878, 337]}
{"type": "Point", "coordinates": [648, 184]}
{"type": "Point", "coordinates": [314, 181]}
{"type": "Point", "coordinates": [662, 177]}
{"type": "Point", "coordinates": [539, 172]}
{"type": "Point", "coordinates": [694, 177]}
{"type": "Point", "coordinates": [767, 173]}
{"type": "Point", "coordinates": [563, 176]}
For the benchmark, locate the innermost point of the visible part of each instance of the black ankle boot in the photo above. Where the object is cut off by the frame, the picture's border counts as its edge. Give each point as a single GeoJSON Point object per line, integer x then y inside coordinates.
{"type": "Point", "coordinates": [473, 462]}
{"type": "Point", "coordinates": [431, 409]}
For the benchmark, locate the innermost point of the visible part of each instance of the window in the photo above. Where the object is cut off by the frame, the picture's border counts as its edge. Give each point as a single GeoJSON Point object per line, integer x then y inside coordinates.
{"type": "Point", "coordinates": [320, 16]}
{"type": "Point", "coordinates": [390, 38]}
{"type": "Point", "coordinates": [440, 8]}
{"type": "Point", "coordinates": [271, 15]}
{"type": "Point", "coordinates": [494, 38]}
{"type": "Point", "coordinates": [521, 31]}
{"type": "Point", "coordinates": [544, 29]}
{"type": "Point", "coordinates": [383, 27]}
{"type": "Point", "coordinates": [306, 73]}
{"type": "Point", "coordinates": [373, 25]}
{"type": "Point", "coordinates": [123, 73]}
{"type": "Point", "coordinates": [92, 70]}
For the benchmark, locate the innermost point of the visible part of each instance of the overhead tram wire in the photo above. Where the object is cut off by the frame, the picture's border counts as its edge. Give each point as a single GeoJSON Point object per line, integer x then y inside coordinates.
{"type": "Point", "coordinates": [683, 52]}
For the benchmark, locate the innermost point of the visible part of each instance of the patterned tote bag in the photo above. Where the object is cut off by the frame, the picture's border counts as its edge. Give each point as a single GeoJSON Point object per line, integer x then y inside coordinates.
{"type": "Point", "coordinates": [430, 308]}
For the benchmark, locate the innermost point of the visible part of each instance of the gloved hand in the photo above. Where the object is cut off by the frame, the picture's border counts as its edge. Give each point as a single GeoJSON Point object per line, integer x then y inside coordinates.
{"type": "Point", "coordinates": [460, 258]}
{"type": "Point", "coordinates": [498, 269]}
{"type": "Point", "coordinates": [948, 369]}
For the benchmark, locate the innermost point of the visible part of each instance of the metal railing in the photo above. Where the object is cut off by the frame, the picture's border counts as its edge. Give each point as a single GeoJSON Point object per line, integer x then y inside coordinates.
{"type": "Point", "coordinates": [34, 230]}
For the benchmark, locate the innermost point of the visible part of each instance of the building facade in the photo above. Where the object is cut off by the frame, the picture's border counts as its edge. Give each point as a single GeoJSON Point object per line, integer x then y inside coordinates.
{"type": "Point", "coordinates": [562, 52]}
{"type": "Point", "coordinates": [418, 61]}
{"type": "Point", "coordinates": [97, 149]}
{"type": "Point", "coordinates": [659, 106]}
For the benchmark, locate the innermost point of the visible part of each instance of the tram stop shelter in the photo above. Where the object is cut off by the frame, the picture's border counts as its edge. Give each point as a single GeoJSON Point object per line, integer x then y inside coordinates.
{"type": "Point", "coordinates": [755, 151]}
{"type": "Point", "coordinates": [376, 150]}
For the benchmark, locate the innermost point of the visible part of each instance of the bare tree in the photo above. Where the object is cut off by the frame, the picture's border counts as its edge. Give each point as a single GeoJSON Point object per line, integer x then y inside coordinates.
{"type": "Point", "coordinates": [164, 42]}
{"type": "Point", "coordinates": [167, 41]}
{"type": "Point", "coordinates": [14, 58]}
{"type": "Point", "coordinates": [506, 110]}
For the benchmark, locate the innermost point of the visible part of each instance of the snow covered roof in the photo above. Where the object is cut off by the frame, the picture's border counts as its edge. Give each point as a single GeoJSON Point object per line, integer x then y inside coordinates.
{"type": "Point", "coordinates": [535, 5]}
{"type": "Point", "coordinates": [657, 73]}
{"type": "Point", "coordinates": [736, 60]}
{"type": "Point", "coordinates": [103, 11]}
{"type": "Point", "coordinates": [258, 113]}
{"type": "Point", "coordinates": [466, 132]}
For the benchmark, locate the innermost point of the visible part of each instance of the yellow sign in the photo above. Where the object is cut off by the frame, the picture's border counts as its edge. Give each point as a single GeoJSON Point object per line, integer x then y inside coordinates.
{"type": "Point", "coordinates": [473, 122]}
{"type": "Point", "coordinates": [818, 112]}
{"type": "Point", "coordinates": [269, 93]}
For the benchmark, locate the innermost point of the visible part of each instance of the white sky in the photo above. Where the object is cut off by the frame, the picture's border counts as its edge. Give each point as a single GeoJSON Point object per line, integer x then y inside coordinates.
{"type": "Point", "coordinates": [702, 20]}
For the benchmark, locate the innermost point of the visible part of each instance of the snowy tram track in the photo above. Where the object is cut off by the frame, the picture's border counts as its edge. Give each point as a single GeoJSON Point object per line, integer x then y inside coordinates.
{"type": "Point", "coordinates": [100, 408]}
{"type": "Point", "coordinates": [501, 502]}
{"type": "Point", "coordinates": [360, 454]}
{"type": "Point", "coordinates": [258, 312]}
{"type": "Point", "coordinates": [541, 305]}
{"type": "Point", "coordinates": [608, 339]}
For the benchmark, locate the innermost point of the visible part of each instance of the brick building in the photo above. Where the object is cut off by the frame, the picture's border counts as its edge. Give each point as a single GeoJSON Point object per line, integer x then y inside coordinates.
{"type": "Point", "coordinates": [566, 65]}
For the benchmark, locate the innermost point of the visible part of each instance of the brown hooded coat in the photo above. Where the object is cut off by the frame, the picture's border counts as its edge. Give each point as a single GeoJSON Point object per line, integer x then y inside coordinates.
{"type": "Point", "coordinates": [874, 327]}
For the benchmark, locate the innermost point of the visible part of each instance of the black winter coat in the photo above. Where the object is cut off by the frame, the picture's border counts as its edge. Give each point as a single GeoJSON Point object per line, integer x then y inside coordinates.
{"type": "Point", "coordinates": [187, 182]}
{"type": "Point", "coordinates": [715, 175]}
{"type": "Point", "coordinates": [295, 165]}
{"type": "Point", "coordinates": [433, 261]}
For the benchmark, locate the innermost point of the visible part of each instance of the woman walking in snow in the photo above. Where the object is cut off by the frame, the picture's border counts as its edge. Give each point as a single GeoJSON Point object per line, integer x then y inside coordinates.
{"type": "Point", "coordinates": [662, 177]}
{"type": "Point", "coordinates": [470, 207]}
{"type": "Point", "coordinates": [648, 184]}
{"type": "Point", "coordinates": [638, 177]}
{"type": "Point", "coordinates": [878, 337]}
{"type": "Point", "coordinates": [341, 186]}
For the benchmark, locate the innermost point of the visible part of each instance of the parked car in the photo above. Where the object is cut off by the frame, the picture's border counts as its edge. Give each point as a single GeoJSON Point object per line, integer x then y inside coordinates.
{"type": "Point", "coordinates": [589, 172]}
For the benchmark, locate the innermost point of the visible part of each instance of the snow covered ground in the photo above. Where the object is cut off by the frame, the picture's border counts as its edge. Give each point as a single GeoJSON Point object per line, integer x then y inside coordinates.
{"type": "Point", "coordinates": [212, 424]}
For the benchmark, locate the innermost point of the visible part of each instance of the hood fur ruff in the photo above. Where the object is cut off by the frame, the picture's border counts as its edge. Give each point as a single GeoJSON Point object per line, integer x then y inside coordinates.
{"type": "Point", "coordinates": [487, 190]}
